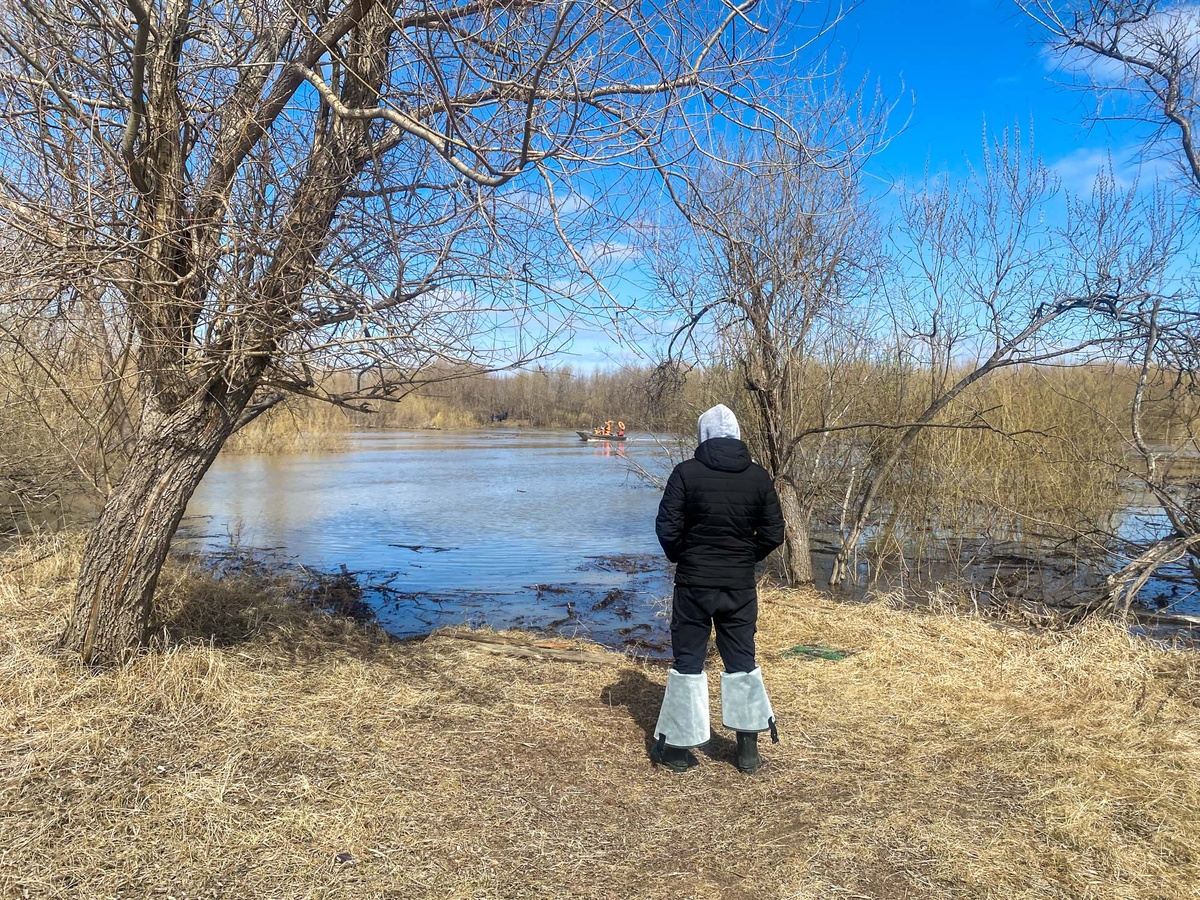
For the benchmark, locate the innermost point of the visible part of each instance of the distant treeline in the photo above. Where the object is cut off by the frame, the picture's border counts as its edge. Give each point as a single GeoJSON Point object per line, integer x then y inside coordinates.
{"type": "Point", "coordinates": [1031, 450]}
{"type": "Point", "coordinates": [1028, 448]}
{"type": "Point", "coordinates": [646, 398]}
{"type": "Point", "coordinates": [1020, 403]}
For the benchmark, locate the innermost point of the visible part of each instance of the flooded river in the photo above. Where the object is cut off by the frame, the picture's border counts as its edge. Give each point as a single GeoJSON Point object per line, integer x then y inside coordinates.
{"type": "Point", "coordinates": [530, 529]}
{"type": "Point", "coordinates": [542, 530]}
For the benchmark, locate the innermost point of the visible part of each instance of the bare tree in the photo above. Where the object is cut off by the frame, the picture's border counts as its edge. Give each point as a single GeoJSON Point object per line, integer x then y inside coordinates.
{"type": "Point", "coordinates": [245, 192]}
{"type": "Point", "coordinates": [993, 277]}
{"type": "Point", "coordinates": [786, 255]}
{"type": "Point", "coordinates": [1140, 61]}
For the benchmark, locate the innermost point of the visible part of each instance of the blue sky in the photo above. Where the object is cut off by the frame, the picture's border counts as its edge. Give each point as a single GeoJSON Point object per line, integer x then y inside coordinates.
{"type": "Point", "coordinates": [951, 72]}
{"type": "Point", "coordinates": [953, 67]}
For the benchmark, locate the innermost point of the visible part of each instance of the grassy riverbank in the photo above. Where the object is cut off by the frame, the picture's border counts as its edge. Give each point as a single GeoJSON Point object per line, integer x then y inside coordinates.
{"type": "Point", "coordinates": [945, 758]}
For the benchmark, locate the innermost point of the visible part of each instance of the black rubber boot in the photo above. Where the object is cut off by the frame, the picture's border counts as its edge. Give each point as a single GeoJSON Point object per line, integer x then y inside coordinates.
{"type": "Point", "coordinates": [677, 759]}
{"type": "Point", "coordinates": [748, 760]}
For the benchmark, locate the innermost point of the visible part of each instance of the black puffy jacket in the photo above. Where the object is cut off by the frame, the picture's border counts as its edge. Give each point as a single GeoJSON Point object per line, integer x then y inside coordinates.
{"type": "Point", "coordinates": [718, 516]}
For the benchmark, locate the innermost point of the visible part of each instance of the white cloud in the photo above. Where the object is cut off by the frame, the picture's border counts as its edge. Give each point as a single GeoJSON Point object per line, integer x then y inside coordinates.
{"type": "Point", "coordinates": [1173, 31]}
{"type": "Point", "coordinates": [1079, 169]}
{"type": "Point", "coordinates": [1097, 70]}
{"type": "Point", "coordinates": [609, 251]}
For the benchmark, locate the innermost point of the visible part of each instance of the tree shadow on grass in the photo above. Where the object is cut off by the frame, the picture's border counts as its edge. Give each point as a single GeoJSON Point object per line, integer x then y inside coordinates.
{"type": "Point", "coordinates": [642, 698]}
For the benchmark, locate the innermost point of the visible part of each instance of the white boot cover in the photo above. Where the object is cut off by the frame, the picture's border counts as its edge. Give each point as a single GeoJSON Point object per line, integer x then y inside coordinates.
{"type": "Point", "coordinates": [744, 703]}
{"type": "Point", "coordinates": [683, 719]}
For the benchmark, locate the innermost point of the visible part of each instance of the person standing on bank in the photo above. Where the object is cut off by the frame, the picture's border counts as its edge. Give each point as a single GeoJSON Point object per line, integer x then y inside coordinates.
{"type": "Point", "coordinates": [719, 515]}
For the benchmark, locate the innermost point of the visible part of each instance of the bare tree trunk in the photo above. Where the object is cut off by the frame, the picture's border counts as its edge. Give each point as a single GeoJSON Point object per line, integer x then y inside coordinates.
{"type": "Point", "coordinates": [128, 545]}
{"type": "Point", "coordinates": [999, 359]}
{"type": "Point", "coordinates": [1124, 585]}
{"type": "Point", "coordinates": [797, 520]}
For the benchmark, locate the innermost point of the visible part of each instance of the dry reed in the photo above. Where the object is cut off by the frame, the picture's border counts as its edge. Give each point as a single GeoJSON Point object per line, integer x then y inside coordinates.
{"type": "Point", "coordinates": [946, 757]}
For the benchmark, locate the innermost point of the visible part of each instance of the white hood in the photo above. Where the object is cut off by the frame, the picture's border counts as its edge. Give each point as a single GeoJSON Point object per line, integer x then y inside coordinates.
{"type": "Point", "coordinates": [718, 422]}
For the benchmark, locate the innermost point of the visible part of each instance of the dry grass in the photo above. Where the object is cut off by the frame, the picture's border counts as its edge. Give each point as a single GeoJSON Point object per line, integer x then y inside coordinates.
{"type": "Point", "coordinates": [311, 426]}
{"type": "Point", "coordinates": [946, 758]}
{"type": "Point", "coordinates": [299, 427]}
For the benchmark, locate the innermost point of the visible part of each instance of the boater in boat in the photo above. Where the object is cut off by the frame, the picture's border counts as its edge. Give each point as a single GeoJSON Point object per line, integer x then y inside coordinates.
{"type": "Point", "coordinates": [604, 432]}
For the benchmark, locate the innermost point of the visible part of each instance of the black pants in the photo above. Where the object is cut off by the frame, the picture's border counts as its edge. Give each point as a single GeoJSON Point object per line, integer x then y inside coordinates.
{"type": "Point", "coordinates": [694, 613]}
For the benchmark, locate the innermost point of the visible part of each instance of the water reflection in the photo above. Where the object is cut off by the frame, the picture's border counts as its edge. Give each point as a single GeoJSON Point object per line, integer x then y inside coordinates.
{"type": "Point", "coordinates": [531, 529]}
{"type": "Point", "coordinates": [542, 529]}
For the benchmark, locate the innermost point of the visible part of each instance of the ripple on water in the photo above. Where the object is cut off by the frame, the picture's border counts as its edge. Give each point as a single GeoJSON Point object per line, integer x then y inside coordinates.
{"type": "Point", "coordinates": [500, 528]}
